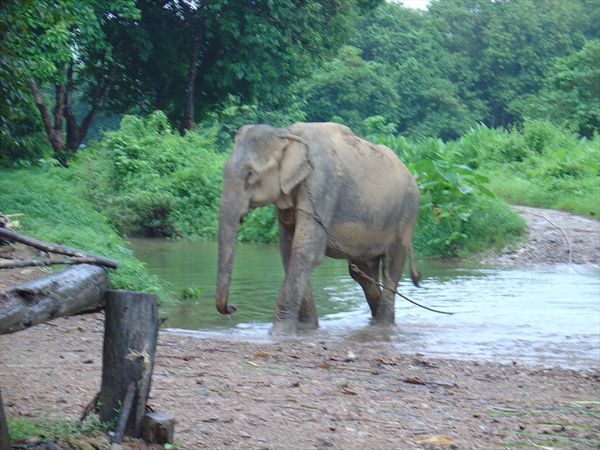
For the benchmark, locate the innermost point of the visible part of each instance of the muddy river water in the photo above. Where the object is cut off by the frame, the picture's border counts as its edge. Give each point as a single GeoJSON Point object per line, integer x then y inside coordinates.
{"type": "Point", "coordinates": [548, 315]}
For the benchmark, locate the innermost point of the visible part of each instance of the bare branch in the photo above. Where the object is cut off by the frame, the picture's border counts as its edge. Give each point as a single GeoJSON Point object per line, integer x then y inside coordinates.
{"type": "Point", "coordinates": [14, 264]}
{"type": "Point", "coordinates": [54, 248]}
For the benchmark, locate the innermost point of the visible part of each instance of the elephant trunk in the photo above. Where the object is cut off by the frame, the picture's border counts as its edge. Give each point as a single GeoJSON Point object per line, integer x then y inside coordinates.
{"type": "Point", "coordinates": [231, 211]}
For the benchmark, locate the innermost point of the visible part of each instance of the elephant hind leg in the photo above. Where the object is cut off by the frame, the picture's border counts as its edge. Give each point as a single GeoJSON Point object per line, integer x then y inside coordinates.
{"type": "Point", "coordinates": [393, 266]}
{"type": "Point", "coordinates": [372, 290]}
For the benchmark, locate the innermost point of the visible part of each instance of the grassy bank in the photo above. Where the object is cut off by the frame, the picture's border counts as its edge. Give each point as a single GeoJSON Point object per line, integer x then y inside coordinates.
{"type": "Point", "coordinates": [536, 164]}
{"type": "Point", "coordinates": [54, 210]}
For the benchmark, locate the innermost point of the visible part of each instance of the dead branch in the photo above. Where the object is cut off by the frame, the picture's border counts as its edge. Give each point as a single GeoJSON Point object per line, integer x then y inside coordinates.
{"type": "Point", "coordinates": [117, 436]}
{"type": "Point", "coordinates": [15, 264]}
{"type": "Point", "coordinates": [11, 235]}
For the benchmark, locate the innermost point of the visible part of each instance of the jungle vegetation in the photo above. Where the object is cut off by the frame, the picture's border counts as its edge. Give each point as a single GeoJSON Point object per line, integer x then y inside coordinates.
{"type": "Point", "coordinates": [127, 108]}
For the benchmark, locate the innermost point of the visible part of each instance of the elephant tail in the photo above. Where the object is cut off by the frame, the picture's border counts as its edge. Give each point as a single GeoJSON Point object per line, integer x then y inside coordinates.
{"type": "Point", "coordinates": [415, 275]}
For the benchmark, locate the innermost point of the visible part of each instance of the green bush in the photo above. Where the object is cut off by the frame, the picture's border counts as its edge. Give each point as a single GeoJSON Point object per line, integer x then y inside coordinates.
{"type": "Point", "coordinates": [151, 181]}
{"type": "Point", "coordinates": [55, 211]}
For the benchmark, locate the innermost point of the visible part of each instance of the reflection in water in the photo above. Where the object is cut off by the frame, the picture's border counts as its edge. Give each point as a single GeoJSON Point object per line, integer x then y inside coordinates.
{"type": "Point", "coordinates": [546, 315]}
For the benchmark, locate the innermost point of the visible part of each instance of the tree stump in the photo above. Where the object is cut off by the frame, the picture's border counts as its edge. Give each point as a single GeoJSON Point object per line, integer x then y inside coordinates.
{"type": "Point", "coordinates": [130, 334]}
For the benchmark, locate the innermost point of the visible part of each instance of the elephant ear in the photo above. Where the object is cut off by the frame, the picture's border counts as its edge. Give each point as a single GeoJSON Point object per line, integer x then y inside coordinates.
{"type": "Point", "coordinates": [295, 165]}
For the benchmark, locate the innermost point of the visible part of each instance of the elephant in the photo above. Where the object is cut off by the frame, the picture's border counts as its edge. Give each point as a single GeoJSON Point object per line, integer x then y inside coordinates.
{"type": "Point", "coordinates": [336, 195]}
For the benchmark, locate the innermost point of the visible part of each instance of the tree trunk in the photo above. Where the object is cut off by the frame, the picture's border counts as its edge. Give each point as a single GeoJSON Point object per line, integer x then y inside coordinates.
{"type": "Point", "coordinates": [77, 133]}
{"type": "Point", "coordinates": [130, 334]}
{"type": "Point", "coordinates": [158, 428]}
{"type": "Point", "coordinates": [188, 117]}
{"type": "Point", "coordinates": [66, 293]}
{"type": "Point", "coordinates": [53, 130]}
{"type": "Point", "coordinates": [161, 95]}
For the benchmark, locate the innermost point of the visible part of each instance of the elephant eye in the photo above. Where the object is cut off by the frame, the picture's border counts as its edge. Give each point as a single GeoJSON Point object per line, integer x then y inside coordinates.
{"type": "Point", "coordinates": [250, 177]}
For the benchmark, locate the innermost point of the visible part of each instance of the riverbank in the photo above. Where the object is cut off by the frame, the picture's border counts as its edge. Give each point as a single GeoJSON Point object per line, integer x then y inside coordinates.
{"type": "Point", "coordinates": [552, 237]}
{"type": "Point", "coordinates": [310, 394]}
{"type": "Point", "coordinates": [315, 393]}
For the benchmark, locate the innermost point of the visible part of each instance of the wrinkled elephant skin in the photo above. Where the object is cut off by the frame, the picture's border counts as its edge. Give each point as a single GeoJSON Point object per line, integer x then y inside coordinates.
{"type": "Point", "coordinates": [336, 195]}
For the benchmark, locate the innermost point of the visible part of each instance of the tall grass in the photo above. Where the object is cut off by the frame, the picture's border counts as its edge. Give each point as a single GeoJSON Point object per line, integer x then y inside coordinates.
{"type": "Point", "coordinates": [536, 164]}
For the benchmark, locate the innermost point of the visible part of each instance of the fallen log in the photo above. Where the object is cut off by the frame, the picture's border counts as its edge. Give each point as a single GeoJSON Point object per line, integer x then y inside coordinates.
{"type": "Point", "coordinates": [73, 291]}
{"type": "Point", "coordinates": [11, 235]}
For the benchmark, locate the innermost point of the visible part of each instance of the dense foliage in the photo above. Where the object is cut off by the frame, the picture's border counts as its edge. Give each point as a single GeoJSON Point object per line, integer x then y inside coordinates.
{"type": "Point", "coordinates": [462, 62]}
{"type": "Point", "coordinates": [151, 181]}
{"type": "Point", "coordinates": [433, 73]}
{"type": "Point", "coordinates": [128, 55]}
{"type": "Point", "coordinates": [476, 96]}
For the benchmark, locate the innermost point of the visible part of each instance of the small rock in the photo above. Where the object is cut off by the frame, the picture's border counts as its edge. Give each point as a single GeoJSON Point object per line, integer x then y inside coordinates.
{"type": "Point", "coordinates": [202, 391]}
{"type": "Point", "coordinates": [245, 435]}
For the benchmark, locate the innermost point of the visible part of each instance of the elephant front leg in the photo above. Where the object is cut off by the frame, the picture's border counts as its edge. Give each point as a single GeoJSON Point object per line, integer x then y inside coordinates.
{"type": "Point", "coordinates": [307, 317]}
{"type": "Point", "coordinates": [295, 304]}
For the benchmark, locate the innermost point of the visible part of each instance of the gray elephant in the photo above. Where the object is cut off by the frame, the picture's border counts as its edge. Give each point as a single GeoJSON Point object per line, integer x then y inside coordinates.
{"type": "Point", "coordinates": [336, 195]}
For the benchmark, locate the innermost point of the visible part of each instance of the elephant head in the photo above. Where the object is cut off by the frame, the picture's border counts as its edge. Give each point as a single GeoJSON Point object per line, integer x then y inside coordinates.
{"type": "Point", "coordinates": [266, 165]}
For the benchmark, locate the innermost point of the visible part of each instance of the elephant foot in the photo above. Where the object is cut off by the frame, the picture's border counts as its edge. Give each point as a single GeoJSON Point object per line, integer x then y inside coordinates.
{"type": "Point", "coordinates": [383, 319]}
{"type": "Point", "coordinates": [385, 314]}
{"type": "Point", "coordinates": [382, 322]}
{"type": "Point", "coordinates": [283, 328]}
{"type": "Point", "coordinates": [308, 322]}
{"type": "Point", "coordinates": [307, 327]}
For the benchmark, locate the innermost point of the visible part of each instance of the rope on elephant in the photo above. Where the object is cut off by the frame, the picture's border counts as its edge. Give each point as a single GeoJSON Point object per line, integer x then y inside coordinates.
{"type": "Point", "coordinates": [372, 280]}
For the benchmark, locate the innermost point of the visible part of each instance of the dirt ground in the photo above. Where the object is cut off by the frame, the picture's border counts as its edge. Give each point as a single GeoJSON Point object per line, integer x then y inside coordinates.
{"type": "Point", "coordinates": [308, 393]}
{"type": "Point", "coordinates": [554, 237]}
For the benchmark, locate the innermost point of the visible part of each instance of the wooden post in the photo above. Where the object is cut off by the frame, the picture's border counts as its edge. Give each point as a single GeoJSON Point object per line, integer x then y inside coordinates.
{"type": "Point", "coordinates": [158, 428]}
{"type": "Point", "coordinates": [4, 440]}
{"type": "Point", "coordinates": [130, 334]}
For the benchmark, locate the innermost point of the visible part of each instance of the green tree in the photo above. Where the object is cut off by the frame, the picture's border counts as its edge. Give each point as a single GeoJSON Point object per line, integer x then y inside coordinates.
{"type": "Point", "coordinates": [349, 89]}
{"type": "Point", "coordinates": [571, 93]}
{"type": "Point", "coordinates": [198, 54]}
{"type": "Point", "coordinates": [505, 46]}
{"type": "Point", "coordinates": [60, 46]}
{"type": "Point", "coordinates": [396, 70]}
{"type": "Point", "coordinates": [433, 101]}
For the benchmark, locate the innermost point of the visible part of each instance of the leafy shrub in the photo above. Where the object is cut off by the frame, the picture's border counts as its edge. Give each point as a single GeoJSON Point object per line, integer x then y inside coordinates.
{"type": "Point", "coordinates": [260, 225]}
{"type": "Point", "coordinates": [558, 169]}
{"type": "Point", "coordinates": [151, 181]}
